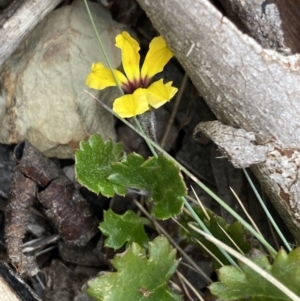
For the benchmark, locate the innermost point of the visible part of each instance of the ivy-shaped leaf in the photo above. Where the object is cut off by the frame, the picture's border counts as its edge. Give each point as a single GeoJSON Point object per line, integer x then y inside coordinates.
{"type": "Point", "coordinates": [120, 229]}
{"type": "Point", "coordinates": [93, 165]}
{"type": "Point", "coordinates": [214, 224]}
{"type": "Point", "coordinates": [246, 284]}
{"type": "Point", "coordinates": [98, 168]}
{"type": "Point", "coordinates": [159, 176]}
{"type": "Point", "coordinates": [137, 277]}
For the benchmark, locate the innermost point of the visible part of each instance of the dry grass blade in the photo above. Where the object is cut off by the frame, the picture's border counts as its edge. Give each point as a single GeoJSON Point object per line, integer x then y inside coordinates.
{"type": "Point", "coordinates": [190, 286]}
{"type": "Point", "coordinates": [245, 211]}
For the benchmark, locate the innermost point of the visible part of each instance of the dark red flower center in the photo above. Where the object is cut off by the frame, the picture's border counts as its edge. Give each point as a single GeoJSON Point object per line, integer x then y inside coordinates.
{"type": "Point", "coordinates": [131, 86]}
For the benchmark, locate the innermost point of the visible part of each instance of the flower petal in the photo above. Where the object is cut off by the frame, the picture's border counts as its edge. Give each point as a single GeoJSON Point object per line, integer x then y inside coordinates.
{"type": "Point", "coordinates": [130, 55]}
{"type": "Point", "coordinates": [156, 59]}
{"type": "Point", "coordinates": [101, 77]}
{"type": "Point", "coordinates": [131, 105]}
{"type": "Point", "coordinates": [159, 93]}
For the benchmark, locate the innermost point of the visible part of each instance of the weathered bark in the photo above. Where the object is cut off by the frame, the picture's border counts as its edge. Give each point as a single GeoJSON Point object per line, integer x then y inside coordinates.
{"type": "Point", "coordinates": [245, 85]}
{"type": "Point", "coordinates": [21, 21]}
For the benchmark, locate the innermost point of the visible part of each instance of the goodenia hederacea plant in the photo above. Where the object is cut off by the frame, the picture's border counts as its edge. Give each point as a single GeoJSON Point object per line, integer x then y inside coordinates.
{"type": "Point", "coordinates": [125, 228]}
{"type": "Point", "coordinates": [138, 276]}
{"type": "Point", "coordinates": [99, 168]}
{"type": "Point", "coordinates": [246, 284]}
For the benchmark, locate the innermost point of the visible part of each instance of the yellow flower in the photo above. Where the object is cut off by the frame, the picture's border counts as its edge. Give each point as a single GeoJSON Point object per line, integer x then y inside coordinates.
{"type": "Point", "coordinates": [140, 95]}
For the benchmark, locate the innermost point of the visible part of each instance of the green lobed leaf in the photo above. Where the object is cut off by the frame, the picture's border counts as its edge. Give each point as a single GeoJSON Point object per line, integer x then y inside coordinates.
{"type": "Point", "coordinates": [120, 229]}
{"type": "Point", "coordinates": [159, 176]}
{"type": "Point", "coordinates": [93, 165]}
{"type": "Point", "coordinates": [246, 284]}
{"type": "Point", "coordinates": [137, 277]}
{"type": "Point", "coordinates": [235, 231]}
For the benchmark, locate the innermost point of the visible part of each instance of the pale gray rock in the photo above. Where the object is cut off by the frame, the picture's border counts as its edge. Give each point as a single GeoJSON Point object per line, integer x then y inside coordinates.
{"type": "Point", "coordinates": [42, 96]}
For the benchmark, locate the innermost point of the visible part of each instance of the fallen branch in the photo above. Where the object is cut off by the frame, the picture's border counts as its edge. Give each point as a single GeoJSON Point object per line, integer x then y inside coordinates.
{"type": "Point", "coordinates": [245, 85]}
{"type": "Point", "coordinates": [20, 21]}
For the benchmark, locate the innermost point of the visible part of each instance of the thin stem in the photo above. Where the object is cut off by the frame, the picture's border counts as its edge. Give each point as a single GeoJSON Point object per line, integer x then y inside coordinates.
{"type": "Point", "coordinates": [147, 140]}
{"type": "Point", "coordinates": [148, 123]}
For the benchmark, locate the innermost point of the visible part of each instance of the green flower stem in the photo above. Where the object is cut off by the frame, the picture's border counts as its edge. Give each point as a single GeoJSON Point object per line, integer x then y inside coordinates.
{"type": "Point", "coordinates": [148, 124]}
{"type": "Point", "coordinates": [287, 245]}
{"type": "Point", "coordinates": [143, 134]}
{"type": "Point", "coordinates": [101, 46]}
{"type": "Point", "coordinates": [197, 181]}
